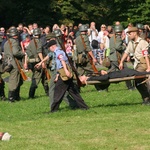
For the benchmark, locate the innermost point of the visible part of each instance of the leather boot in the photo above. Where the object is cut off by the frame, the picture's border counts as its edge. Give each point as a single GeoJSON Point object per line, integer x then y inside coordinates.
{"type": "Point", "coordinates": [3, 98]}
{"type": "Point", "coordinates": [11, 96]}
{"type": "Point", "coordinates": [46, 88]}
{"type": "Point", "coordinates": [17, 95]}
{"type": "Point", "coordinates": [32, 92]}
{"type": "Point", "coordinates": [2, 92]}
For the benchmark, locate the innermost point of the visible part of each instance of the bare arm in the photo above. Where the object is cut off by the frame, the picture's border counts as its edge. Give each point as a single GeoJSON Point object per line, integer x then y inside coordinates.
{"type": "Point", "coordinates": [41, 62]}
{"type": "Point", "coordinates": [65, 68]}
{"type": "Point", "coordinates": [125, 55]}
{"type": "Point", "coordinates": [147, 63]}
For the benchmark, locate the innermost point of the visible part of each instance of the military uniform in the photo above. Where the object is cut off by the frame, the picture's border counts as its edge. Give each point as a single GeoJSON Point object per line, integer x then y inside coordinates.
{"type": "Point", "coordinates": [15, 79]}
{"type": "Point", "coordinates": [139, 49]}
{"type": "Point", "coordinates": [82, 54]}
{"type": "Point", "coordinates": [33, 49]}
{"type": "Point", "coordinates": [117, 48]}
{"type": "Point", "coordinates": [62, 86]}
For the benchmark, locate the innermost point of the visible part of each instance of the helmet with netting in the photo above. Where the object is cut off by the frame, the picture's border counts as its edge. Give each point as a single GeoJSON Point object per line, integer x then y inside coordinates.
{"type": "Point", "coordinates": [13, 32]}
{"type": "Point", "coordinates": [57, 32]}
{"type": "Point", "coordinates": [118, 28]}
{"type": "Point", "coordinates": [140, 26]}
{"type": "Point", "coordinates": [83, 28]}
{"type": "Point", "coordinates": [36, 32]}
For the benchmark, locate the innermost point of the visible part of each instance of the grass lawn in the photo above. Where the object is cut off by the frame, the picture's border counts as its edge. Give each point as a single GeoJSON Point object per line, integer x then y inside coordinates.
{"type": "Point", "coordinates": [116, 120]}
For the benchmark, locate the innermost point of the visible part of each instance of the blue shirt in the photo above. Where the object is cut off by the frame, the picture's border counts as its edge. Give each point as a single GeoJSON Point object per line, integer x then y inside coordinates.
{"type": "Point", "coordinates": [59, 55]}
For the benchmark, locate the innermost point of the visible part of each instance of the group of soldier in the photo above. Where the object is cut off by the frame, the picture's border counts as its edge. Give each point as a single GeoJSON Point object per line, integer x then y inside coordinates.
{"type": "Point", "coordinates": [42, 56]}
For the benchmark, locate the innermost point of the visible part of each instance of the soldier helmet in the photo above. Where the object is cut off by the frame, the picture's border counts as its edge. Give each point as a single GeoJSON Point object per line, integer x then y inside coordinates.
{"type": "Point", "coordinates": [50, 35]}
{"type": "Point", "coordinates": [118, 28]}
{"type": "Point", "coordinates": [140, 26]}
{"type": "Point", "coordinates": [57, 32]}
{"type": "Point", "coordinates": [36, 32]}
{"type": "Point", "coordinates": [83, 28]}
{"type": "Point", "coordinates": [13, 32]}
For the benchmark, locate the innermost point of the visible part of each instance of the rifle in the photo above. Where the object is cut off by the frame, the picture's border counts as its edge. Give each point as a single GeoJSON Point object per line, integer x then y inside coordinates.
{"type": "Point", "coordinates": [71, 64]}
{"type": "Point", "coordinates": [45, 69]}
{"type": "Point", "coordinates": [89, 56]}
{"type": "Point", "coordinates": [24, 77]}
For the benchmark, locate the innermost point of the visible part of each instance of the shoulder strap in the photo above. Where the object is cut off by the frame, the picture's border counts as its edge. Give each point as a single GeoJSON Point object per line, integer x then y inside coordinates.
{"type": "Point", "coordinates": [83, 41]}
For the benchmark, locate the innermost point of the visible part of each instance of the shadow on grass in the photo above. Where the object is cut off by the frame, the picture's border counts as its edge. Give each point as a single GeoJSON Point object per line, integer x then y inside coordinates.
{"type": "Point", "coordinates": [114, 105]}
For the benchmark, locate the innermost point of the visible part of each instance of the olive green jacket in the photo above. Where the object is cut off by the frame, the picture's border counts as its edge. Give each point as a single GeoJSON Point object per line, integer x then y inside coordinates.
{"type": "Point", "coordinates": [80, 46]}
{"type": "Point", "coordinates": [116, 45]}
{"type": "Point", "coordinates": [34, 47]}
{"type": "Point", "coordinates": [13, 50]}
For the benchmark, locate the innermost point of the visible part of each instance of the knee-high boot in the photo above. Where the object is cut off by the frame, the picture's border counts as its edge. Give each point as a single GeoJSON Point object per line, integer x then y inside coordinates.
{"type": "Point", "coordinates": [11, 96]}
{"type": "Point", "coordinates": [32, 92]}
{"type": "Point", "coordinates": [17, 93]}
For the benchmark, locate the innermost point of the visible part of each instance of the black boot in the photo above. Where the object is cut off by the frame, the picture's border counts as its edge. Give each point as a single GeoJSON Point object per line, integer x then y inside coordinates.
{"type": "Point", "coordinates": [46, 88]}
{"type": "Point", "coordinates": [2, 92]}
{"type": "Point", "coordinates": [11, 96]}
{"type": "Point", "coordinates": [2, 95]}
{"type": "Point", "coordinates": [17, 94]}
{"type": "Point", "coordinates": [32, 92]}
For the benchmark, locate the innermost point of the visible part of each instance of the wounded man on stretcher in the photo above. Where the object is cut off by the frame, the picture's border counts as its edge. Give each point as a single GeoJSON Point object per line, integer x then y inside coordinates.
{"type": "Point", "coordinates": [112, 77]}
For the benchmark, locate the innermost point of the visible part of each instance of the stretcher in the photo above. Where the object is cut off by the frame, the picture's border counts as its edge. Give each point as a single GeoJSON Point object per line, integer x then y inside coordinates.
{"type": "Point", "coordinates": [116, 80]}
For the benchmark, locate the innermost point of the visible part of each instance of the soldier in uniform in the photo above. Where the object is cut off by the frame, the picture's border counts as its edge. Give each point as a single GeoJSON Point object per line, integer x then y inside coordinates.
{"type": "Point", "coordinates": [139, 48]}
{"type": "Point", "coordinates": [35, 54]}
{"type": "Point", "coordinates": [62, 86]}
{"type": "Point", "coordinates": [141, 29]}
{"type": "Point", "coordinates": [84, 54]}
{"type": "Point", "coordinates": [83, 63]}
{"type": "Point", "coordinates": [117, 48]}
{"type": "Point", "coordinates": [12, 51]}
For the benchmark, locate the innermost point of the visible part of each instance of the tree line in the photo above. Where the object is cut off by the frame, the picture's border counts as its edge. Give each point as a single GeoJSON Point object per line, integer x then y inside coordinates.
{"type": "Point", "coordinates": [49, 12]}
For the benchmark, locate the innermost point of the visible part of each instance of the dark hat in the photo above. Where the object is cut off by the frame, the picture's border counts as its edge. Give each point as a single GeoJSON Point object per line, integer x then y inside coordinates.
{"type": "Point", "coordinates": [50, 35]}
{"type": "Point", "coordinates": [51, 43]}
{"type": "Point", "coordinates": [132, 29]}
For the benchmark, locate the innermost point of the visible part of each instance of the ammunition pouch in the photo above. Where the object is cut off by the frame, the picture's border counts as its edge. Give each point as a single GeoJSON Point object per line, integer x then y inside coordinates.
{"type": "Point", "coordinates": [143, 63]}
{"type": "Point", "coordinates": [63, 75]}
{"type": "Point", "coordinates": [33, 60]}
{"type": "Point", "coordinates": [82, 58]}
{"type": "Point", "coordinates": [106, 62]}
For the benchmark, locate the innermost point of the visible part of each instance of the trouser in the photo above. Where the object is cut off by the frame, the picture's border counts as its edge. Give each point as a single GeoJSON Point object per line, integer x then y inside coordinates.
{"type": "Point", "coordinates": [14, 84]}
{"type": "Point", "coordinates": [60, 88]}
{"type": "Point", "coordinates": [36, 77]}
{"type": "Point", "coordinates": [67, 98]}
{"type": "Point", "coordinates": [142, 88]}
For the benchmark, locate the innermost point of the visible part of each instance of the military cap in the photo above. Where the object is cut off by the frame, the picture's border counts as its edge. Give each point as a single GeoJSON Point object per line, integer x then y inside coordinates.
{"type": "Point", "coordinates": [132, 29]}
{"type": "Point", "coordinates": [50, 35]}
{"type": "Point", "coordinates": [51, 43]}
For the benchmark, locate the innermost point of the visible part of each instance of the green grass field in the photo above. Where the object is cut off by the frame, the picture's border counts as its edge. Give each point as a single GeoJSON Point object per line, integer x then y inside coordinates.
{"type": "Point", "coordinates": [116, 120]}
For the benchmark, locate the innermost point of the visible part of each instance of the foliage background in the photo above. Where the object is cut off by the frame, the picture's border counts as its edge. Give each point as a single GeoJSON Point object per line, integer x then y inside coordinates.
{"type": "Point", "coordinates": [49, 12]}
